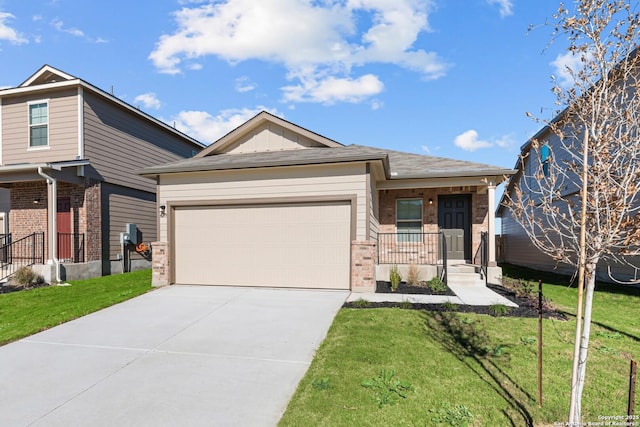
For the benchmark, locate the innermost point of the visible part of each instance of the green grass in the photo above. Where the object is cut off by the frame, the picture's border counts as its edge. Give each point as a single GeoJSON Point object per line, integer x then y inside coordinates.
{"type": "Point", "coordinates": [482, 363]}
{"type": "Point", "coordinates": [26, 312]}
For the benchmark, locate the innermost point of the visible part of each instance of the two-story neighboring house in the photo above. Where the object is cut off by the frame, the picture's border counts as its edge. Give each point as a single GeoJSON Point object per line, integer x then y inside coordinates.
{"type": "Point", "coordinates": [538, 156]}
{"type": "Point", "coordinates": [69, 153]}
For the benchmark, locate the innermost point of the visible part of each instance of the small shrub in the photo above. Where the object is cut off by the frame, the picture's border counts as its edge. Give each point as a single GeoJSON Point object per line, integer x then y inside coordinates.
{"type": "Point", "coordinates": [387, 387]}
{"type": "Point", "coordinates": [449, 306]}
{"type": "Point", "coordinates": [437, 285]}
{"type": "Point", "coordinates": [612, 335]}
{"type": "Point", "coordinates": [321, 384]}
{"type": "Point", "coordinates": [499, 309]}
{"type": "Point", "coordinates": [607, 350]}
{"type": "Point", "coordinates": [26, 277]}
{"type": "Point", "coordinates": [457, 416]}
{"type": "Point", "coordinates": [394, 277]}
{"type": "Point", "coordinates": [414, 276]}
{"type": "Point", "coordinates": [527, 340]}
{"type": "Point", "coordinates": [361, 303]}
{"type": "Point", "coordinates": [406, 305]}
{"type": "Point", "coordinates": [498, 350]}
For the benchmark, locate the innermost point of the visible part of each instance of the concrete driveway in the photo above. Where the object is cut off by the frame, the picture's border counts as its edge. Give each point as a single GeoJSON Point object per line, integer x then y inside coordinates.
{"type": "Point", "coordinates": [178, 356]}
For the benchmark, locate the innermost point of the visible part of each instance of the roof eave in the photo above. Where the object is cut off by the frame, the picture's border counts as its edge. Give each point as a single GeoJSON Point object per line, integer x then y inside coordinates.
{"type": "Point", "coordinates": [162, 170]}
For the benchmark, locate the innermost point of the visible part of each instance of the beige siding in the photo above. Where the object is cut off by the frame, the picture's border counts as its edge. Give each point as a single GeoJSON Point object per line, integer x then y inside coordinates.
{"type": "Point", "coordinates": [286, 182]}
{"type": "Point", "coordinates": [271, 137]}
{"type": "Point", "coordinates": [118, 143]}
{"type": "Point", "coordinates": [122, 206]}
{"type": "Point", "coordinates": [63, 128]}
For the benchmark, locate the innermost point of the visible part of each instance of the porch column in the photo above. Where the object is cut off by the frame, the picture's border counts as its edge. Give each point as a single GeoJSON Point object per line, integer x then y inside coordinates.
{"type": "Point", "coordinates": [491, 234]}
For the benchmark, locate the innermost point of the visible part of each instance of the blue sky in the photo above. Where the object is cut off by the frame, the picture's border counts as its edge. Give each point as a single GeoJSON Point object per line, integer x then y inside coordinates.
{"type": "Point", "coordinates": [451, 78]}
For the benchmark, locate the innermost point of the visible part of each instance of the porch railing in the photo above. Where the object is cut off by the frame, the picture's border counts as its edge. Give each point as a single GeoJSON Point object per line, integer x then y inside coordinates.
{"type": "Point", "coordinates": [413, 248]}
{"type": "Point", "coordinates": [71, 247]}
{"type": "Point", "coordinates": [482, 255]}
{"type": "Point", "coordinates": [26, 251]}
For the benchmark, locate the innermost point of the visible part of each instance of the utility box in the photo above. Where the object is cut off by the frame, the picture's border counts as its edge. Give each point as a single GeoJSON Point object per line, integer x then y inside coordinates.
{"type": "Point", "coordinates": [132, 231]}
{"type": "Point", "coordinates": [124, 239]}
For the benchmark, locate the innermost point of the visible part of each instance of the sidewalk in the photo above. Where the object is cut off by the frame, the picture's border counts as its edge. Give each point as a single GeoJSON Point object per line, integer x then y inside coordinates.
{"type": "Point", "coordinates": [465, 295]}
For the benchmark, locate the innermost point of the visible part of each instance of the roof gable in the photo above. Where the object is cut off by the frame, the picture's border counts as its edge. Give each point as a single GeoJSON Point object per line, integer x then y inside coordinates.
{"type": "Point", "coordinates": [266, 133]}
{"type": "Point", "coordinates": [47, 74]}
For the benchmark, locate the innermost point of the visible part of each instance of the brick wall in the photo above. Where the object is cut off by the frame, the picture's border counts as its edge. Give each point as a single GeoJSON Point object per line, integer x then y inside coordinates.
{"type": "Point", "coordinates": [27, 217]}
{"type": "Point", "coordinates": [479, 210]}
{"type": "Point", "coordinates": [28, 212]}
{"type": "Point", "coordinates": [363, 266]}
{"type": "Point", "coordinates": [93, 218]}
{"type": "Point", "coordinates": [160, 264]}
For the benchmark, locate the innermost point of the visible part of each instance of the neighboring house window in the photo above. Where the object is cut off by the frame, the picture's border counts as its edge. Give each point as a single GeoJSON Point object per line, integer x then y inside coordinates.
{"type": "Point", "coordinates": [544, 159]}
{"type": "Point", "coordinates": [409, 220]}
{"type": "Point", "coordinates": [39, 124]}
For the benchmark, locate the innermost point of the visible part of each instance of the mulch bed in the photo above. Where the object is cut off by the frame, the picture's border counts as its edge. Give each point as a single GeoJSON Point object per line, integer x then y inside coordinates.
{"type": "Point", "coordinates": [526, 307]}
{"type": "Point", "coordinates": [404, 288]}
{"type": "Point", "coordinates": [9, 287]}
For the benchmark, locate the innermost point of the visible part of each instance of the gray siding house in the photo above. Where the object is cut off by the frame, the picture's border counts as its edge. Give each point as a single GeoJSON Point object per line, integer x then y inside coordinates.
{"type": "Point", "coordinates": [69, 153]}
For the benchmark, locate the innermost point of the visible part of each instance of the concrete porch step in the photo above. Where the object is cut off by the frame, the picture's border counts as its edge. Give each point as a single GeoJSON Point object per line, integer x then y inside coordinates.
{"type": "Point", "coordinates": [464, 279]}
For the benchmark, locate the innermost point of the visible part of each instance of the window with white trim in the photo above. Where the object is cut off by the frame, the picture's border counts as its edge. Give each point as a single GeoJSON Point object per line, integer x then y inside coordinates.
{"type": "Point", "coordinates": [409, 220]}
{"type": "Point", "coordinates": [39, 124]}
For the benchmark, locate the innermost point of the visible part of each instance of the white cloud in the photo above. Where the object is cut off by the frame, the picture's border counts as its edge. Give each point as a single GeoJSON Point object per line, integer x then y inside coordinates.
{"type": "Point", "coordinates": [469, 141]}
{"type": "Point", "coordinates": [148, 100]}
{"type": "Point", "coordinates": [244, 84]}
{"type": "Point", "coordinates": [331, 89]}
{"type": "Point", "coordinates": [319, 43]}
{"type": "Point", "coordinates": [76, 32]}
{"type": "Point", "coordinates": [376, 104]}
{"type": "Point", "coordinates": [505, 6]}
{"type": "Point", "coordinates": [566, 64]}
{"type": "Point", "coordinates": [8, 33]}
{"type": "Point", "coordinates": [59, 25]}
{"type": "Point", "coordinates": [207, 128]}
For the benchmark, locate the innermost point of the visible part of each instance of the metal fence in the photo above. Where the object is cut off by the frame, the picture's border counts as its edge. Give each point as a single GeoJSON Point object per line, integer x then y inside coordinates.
{"type": "Point", "coordinates": [26, 251]}
{"type": "Point", "coordinates": [410, 248]}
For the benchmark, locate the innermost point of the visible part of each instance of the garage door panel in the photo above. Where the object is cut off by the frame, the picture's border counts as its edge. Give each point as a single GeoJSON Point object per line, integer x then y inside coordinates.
{"type": "Point", "coordinates": [301, 245]}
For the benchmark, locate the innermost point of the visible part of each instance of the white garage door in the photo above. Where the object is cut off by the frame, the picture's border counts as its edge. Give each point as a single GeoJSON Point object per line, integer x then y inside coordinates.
{"type": "Point", "coordinates": [293, 245]}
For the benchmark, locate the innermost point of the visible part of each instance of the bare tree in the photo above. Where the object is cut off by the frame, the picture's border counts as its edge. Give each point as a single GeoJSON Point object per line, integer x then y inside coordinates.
{"type": "Point", "coordinates": [578, 197]}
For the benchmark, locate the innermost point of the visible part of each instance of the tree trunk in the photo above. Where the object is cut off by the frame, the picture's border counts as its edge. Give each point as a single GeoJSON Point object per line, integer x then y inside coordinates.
{"type": "Point", "coordinates": [590, 277]}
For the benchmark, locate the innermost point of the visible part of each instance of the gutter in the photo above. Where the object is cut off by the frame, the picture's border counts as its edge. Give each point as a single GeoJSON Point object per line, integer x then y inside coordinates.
{"type": "Point", "coordinates": [54, 225]}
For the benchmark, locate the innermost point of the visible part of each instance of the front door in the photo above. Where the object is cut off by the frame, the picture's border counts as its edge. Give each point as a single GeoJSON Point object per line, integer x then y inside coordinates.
{"type": "Point", "coordinates": [63, 235]}
{"type": "Point", "coordinates": [454, 222]}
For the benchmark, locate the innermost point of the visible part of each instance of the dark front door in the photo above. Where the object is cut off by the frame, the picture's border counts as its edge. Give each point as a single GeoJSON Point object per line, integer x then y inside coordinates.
{"type": "Point", "coordinates": [63, 223]}
{"type": "Point", "coordinates": [454, 215]}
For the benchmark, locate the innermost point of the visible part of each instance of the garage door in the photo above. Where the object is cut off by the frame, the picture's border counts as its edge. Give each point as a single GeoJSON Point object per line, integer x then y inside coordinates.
{"type": "Point", "coordinates": [292, 245]}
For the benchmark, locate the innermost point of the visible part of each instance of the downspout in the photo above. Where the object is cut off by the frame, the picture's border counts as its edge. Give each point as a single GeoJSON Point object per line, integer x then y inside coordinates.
{"type": "Point", "coordinates": [54, 224]}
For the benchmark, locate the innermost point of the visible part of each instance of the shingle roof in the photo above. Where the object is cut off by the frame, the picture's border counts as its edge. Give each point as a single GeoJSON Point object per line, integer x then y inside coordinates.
{"type": "Point", "coordinates": [398, 165]}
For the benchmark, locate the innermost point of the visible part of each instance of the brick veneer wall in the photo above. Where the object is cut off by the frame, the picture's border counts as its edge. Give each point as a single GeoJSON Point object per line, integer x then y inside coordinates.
{"type": "Point", "coordinates": [160, 264]}
{"type": "Point", "coordinates": [479, 210]}
{"type": "Point", "coordinates": [363, 266]}
{"type": "Point", "coordinates": [27, 217]}
{"type": "Point", "coordinates": [93, 212]}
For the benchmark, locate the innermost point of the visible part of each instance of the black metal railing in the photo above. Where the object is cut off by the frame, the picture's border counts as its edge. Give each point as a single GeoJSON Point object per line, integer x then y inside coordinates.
{"type": "Point", "coordinates": [413, 248]}
{"type": "Point", "coordinates": [5, 239]}
{"type": "Point", "coordinates": [482, 255]}
{"type": "Point", "coordinates": [26, 251]}
{"type": "Point", "coordinates": [71, 247]}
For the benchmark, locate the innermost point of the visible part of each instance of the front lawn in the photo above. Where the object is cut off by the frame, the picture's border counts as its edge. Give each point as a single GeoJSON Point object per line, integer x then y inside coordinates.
{"type": "Point", "coordinates": [26, 312]}
{"type": "Point", "coordinates": [463, 365]}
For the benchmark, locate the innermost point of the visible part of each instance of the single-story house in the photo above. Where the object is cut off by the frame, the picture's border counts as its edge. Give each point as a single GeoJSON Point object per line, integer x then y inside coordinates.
{"type": "Point", "coordinates": [274, 204]}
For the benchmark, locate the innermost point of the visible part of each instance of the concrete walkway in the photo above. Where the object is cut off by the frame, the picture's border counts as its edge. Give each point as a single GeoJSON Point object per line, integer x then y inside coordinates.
{"type": "Point", "coordinates": [465, 294]}
{"type": "Point", "coordinates": [177, 356]}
